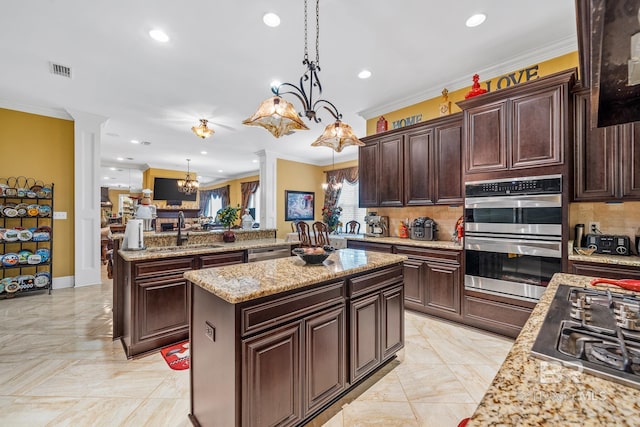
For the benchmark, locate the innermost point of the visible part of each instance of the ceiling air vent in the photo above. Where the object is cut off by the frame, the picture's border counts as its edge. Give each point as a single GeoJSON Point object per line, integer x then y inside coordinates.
{"type": "Point", "coordinates": [60, 70]}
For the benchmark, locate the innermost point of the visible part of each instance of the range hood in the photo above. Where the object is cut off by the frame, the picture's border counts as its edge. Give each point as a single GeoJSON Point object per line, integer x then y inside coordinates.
{"type": "Point", "coordinates": [104, 197]}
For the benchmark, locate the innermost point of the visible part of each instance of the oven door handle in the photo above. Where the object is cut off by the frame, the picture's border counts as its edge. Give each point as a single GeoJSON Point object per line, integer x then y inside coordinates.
{"type": "Point", "coordinates": [514, 246]}
{"type": "Point", "coordinates": [521, 201]}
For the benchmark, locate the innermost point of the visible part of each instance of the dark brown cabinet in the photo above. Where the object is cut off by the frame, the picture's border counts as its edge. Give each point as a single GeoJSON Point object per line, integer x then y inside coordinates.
{"type": "Point", "coordinates": [607, 160]}
{"type": "Point", "coordinates": [281, 359]}
{"type": "Point", "coordinates": [608, 271]}
{"type": "Point", "coordinates": [433, 281]}
{"type": "Point", "coordinates": [521, 127]}
{"type": "Point", "coordinates": [381, 179]}
{"type": "Point", "coordinates": [415, 166]}
{"type": "Point", "coordinates": [272, 367]}
{"type": "Point", "coordinates": [377, 320]}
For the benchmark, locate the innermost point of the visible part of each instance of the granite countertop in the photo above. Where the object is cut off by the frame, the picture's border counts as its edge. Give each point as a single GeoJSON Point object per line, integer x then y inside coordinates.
{"type": "Point", "coordinates": [244, 282]}
{"type": "Point", "coordinates": [520, 396]}
{"type": "Point", "coordinates": [440, 244]}
{"type": "Point", "coordinates": [160, 252]}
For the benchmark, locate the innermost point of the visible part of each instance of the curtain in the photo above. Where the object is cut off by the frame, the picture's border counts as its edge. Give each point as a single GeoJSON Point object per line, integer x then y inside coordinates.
{"type": "Point", "coordinates": [247, 189]}
{"type": "Point", "coordinates": [331, 196]}
{"type": "Point", "coordinates": [205, 196]}
{"type": "Point", "coordinates": [223, 193]}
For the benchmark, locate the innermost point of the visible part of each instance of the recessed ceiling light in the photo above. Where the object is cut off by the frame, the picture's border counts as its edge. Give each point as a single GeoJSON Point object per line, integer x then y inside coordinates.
{"type": "Point", "coordinates": [476, 20]}
{"type": "Point", "coordinates": [275, 83]}
{"type": "Point", "coordinates": [106, 177]}
{"type": "Point", "coordinates": [220, 170]}
{"type": "Point", "coordinates": [271, 19]}
{"type": "Point", "coordinates": [254, 161]}
{"type": "Point", "coordinates": [364, 74]}
{"type": "Point", "coordinates": [112, 169]}
{"type": "Point", "coordinates": [120, 159]}
{"type": "Point", "coordinates": [159, 35]}
{"type": "Point", "coordinates": [203, 152]}
{"type": "Point", "coordinates": [135, 141]}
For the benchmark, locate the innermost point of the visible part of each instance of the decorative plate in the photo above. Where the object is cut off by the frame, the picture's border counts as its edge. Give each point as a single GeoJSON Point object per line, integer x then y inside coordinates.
{"type": "Point", "coordinates": [12, 286]}
{"type": "Point", "coordinates": [26, 281]}
{"type": "Point", "coordinates": [22, 209]}
{"type": "Point", "coordinates": [24, 255]}
{"type": "Point", "coordinates": [10, 191]}
{"type": "Point", "coordinates": [42, 279]}
{"type": "Point", "coordinates": [10, 259]}
{"type": "Point", "coordinates": [44, 210]}
{"type": "Point", "coordinates": [34, 259]}
{"type": "Point", "coordinates": [25, 235]}
{"type": "Point", "coordinates": [10, 212]}
{"type": "Point", "coordinates": [11, 235]}
{"type": "Point", "coordinates": [33, 210]}
{"type": "Point", "coordinates": [44, 254]}
{"type": "Point", "coordinates": [40, 236]}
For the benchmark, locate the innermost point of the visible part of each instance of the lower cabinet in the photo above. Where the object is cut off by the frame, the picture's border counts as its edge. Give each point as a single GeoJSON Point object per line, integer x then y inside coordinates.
{"type": "Point", "coordinates": [505, 316]}
{"type": "Point", "coordinates": [433, 281]}
{"type": "Point", "coordinates": [608, 271]}
{"type": "Point", "coordinates": [280, 360]}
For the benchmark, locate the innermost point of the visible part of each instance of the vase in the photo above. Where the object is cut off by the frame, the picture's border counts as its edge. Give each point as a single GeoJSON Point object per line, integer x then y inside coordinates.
{"type": "Point", "coordinates": [228, 236]}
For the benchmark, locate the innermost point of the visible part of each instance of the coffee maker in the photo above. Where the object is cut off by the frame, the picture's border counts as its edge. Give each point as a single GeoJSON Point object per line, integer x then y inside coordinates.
{"type": "Point", "coordinates": [377, 226]}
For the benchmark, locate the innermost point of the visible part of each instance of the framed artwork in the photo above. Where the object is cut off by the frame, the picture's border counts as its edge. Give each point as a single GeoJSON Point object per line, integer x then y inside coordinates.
{"type": "Point", "coordinates": [298, 205]}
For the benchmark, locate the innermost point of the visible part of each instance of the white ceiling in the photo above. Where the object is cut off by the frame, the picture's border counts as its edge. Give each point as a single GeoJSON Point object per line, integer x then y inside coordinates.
{"type": "Point", "coordinates": [221, 59]}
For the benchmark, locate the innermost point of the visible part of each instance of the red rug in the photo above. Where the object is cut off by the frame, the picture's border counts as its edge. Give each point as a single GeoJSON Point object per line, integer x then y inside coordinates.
{"type": "Point", "coordinates": [177, 355]}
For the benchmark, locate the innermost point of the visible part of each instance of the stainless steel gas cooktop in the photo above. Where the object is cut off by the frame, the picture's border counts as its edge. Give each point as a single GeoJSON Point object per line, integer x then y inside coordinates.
{"type": "Point", "coordinates": [593, 330]}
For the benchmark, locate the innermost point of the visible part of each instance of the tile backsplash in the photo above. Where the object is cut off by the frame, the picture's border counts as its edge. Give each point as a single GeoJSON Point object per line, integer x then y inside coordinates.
{"type": "Point", "coordinates": [614, 218]}
{"type": "Point", "coordinates": [444, 216]}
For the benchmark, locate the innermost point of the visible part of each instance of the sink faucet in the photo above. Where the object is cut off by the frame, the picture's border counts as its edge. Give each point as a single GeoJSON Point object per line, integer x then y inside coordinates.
{"type": "Point", "coordinates": [180, 225]}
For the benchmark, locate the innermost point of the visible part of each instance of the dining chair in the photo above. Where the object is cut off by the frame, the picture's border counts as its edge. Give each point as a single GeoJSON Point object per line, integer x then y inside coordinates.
{"type": "Point", "coordinates": [353, 227]}
{"type": "Point", "coordinates": [304, 234]}
{"type": "Point", "coordinates": [321, 231]}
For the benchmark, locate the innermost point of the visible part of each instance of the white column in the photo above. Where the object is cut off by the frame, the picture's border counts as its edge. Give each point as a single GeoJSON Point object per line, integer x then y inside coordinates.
{"type": "Point", "coordinates": [268, 191]}
{"type": "Point", "coordinates": [87, 130]}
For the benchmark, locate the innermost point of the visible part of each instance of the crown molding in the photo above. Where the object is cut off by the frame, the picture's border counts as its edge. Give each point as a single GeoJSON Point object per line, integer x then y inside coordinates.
{"type": "Point", "coordinates": [559, 48]}
{"type": "Point", "coordinates": [57, 113]}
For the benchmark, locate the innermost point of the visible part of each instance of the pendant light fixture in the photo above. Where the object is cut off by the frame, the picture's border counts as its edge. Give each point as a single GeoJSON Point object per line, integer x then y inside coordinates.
{"type": "Point", "coordinates": [203, 131]}
{"type": "Point", "coordinates": [188, 185]}
{"type": "Point", "coordinates": [279, 117]}
{"type": "Point", "coordinates": [332, 184]}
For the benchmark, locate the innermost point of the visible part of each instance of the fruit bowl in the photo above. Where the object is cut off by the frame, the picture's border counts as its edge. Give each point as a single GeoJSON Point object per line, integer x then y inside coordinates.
{"type": "Point", "coordinates": [314, 255]}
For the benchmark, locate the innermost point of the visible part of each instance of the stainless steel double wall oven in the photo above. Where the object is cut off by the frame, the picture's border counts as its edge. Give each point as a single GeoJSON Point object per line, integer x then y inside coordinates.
{"type": "Point", "coordinates": [513, 235]}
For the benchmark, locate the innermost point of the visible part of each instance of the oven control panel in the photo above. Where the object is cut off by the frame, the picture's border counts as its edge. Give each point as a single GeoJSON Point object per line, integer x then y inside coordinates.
{"type": "Point", "coordinates": [551, 184]}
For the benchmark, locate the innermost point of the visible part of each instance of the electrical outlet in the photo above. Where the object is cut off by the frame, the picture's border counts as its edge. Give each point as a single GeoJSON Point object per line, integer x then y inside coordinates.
{"type": "Point", "coordinates": [594, 227]}
{"type": "Point", "coordinates": [210, 331]}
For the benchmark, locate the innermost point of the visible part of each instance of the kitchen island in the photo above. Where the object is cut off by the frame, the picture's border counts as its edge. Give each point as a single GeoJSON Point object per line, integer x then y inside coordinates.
{"type": "Point", "coordinates": [529, 391]}
{"type": "Point", "coordinates": [150, 294]}
{"type": "Point", "coordinates": [275, 342]}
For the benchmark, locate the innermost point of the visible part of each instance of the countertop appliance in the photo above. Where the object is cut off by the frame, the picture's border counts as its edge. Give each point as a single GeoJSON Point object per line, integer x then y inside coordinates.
{"type": "Point", "coordinates": [376, 225]}
{"type": "Point", "coordinates": [513, 235]}
{"type": "Point", "coordinates": [593, 330]}
{"type": "Point", "coordinates": [609, 244]}
{"type": "Point", "coordinates": [423, 228]}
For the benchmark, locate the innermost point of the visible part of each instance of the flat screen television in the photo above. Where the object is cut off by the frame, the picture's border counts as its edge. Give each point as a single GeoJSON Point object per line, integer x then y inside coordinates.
{"type": "Point", "coordinates": [167, 189]}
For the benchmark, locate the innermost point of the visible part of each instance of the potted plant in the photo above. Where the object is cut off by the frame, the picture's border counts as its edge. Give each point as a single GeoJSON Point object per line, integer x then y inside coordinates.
{"type": "Point", "coordinates": [227, 217]}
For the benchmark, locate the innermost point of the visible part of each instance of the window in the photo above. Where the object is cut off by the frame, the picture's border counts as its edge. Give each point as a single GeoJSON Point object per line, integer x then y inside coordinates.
{"type": "Point", "coordinates": [254, 202]}
{"type": "Point", "coordinates": [349, 201]}
{"type": "Point", "coordinates": [215, 204]}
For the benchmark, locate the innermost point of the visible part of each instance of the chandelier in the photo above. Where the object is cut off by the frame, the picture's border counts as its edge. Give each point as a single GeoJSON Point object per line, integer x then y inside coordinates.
{"type": "Point", "coordinates": [188, 185]}
{"type": "Point", "coordinates": [203, 131]}
{"type": "Point", "coordinates": [278, 115]}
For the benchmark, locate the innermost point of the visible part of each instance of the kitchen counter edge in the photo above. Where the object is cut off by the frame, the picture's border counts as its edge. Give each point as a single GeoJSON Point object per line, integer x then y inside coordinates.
{"type": "Point", "coordinates": [438, 244]}
{"type": "Point", "coordinates": [244, 282]}
{"type": "Point", "coordinates": [520, 395]}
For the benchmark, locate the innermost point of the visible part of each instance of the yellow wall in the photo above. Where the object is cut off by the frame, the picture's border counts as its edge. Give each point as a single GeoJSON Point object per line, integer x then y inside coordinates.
{"type": "Point", "coordinates": [45, 153]}
{"type": "Point", "coordinates": [429, 109]}
{"type": "Point", "coordinates": [295, 176]}
{"type": "Point", "coordinates": [150, 174]}
{"type": "Point", "coordinates": [235, 189]}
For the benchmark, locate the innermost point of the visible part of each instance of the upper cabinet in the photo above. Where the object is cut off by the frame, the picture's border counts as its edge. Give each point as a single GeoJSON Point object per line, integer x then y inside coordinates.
{"type": "Point", "coordinates": [521, 127]}
{"type": "Point", "coordinates": [414, 166]}
{"type": "Point", "coordinates": [607, 160]}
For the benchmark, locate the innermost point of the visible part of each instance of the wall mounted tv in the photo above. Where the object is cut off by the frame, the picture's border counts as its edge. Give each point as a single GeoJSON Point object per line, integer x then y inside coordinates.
{"type": "Point", "coordinates": [167, 189]}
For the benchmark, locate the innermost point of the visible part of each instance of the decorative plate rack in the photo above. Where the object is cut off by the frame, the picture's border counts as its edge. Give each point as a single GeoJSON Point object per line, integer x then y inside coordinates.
{"type": "Point", "coordinates": [26, 236]}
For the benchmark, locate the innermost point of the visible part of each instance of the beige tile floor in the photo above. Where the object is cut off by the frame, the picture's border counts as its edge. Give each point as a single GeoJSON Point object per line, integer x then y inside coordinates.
{"type": "Point", "coordinates": [60, 367]}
